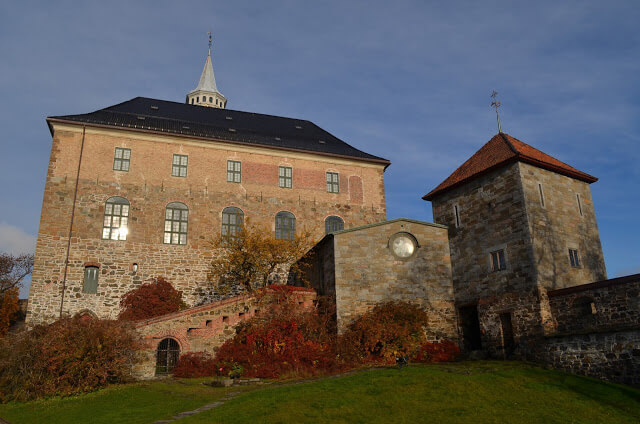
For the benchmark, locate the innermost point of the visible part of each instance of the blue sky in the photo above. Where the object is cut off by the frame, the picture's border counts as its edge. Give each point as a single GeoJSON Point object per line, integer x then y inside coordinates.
{"type": "Point", "coordinates": [409, 81]}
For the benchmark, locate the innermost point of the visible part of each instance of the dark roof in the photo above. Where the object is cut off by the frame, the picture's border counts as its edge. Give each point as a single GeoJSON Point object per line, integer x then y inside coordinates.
{"type": "Point", "coordinates": [161, 116]}
{"type": "Point", "coordinates": [501, 150]}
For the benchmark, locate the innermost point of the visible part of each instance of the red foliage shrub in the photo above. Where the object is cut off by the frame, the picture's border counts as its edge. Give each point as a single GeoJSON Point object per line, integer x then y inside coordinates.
{"type": "Point", "coordinates": [8, 308]}
{"type": "Point", "coordinates": [196, 364]}
{"type": "Point", "coordinates": [69, 356]}
{"type": "Point", "coordinates": [384, 333]}
{"type": "Point", "coordinates": [284, 339]}
{"type": "Point", "coordinates": [151, 300]}
{"type": "Point", "coordinates": [444, 351]}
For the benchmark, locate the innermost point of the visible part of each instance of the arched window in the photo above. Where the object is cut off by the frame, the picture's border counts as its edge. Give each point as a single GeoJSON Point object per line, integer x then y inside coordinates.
{"type": "Point", "coordinates": [175, 223]}
{"type": "Point", "coordinates": [167, 356]}
{"type": "Point", "coordinates": [285, 226]}
{"type": "Point", "coordinates": [116, 219]}
{"type": "Point", "coordinates": [232, 219]}
{"type": "Point", "coordinates": [210, 99]}
{"type": "Point", "coordinates": [332, 224]}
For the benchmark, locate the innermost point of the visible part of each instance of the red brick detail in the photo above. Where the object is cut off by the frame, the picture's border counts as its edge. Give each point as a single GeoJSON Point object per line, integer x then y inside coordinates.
{"type": "Point", "coordinates": [96, 264]}
{"type": "Point", "coordinates": [355, 189]}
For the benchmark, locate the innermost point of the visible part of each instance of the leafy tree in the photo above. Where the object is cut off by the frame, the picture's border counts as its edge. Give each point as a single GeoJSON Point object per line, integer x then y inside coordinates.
{"type": "Point", "coordinates": [13, 270]}
{"type": "Point", "coordinates": [250, 257]}
{"type": "Point", "coordinates": [151, 300]}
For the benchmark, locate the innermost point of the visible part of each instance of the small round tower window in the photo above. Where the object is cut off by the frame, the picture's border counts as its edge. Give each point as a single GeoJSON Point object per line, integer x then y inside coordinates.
{"type": "Point", "coordinates": [403, 245]}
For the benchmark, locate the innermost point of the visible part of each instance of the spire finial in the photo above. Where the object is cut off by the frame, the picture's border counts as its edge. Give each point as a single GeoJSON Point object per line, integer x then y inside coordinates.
{"type": "Point", "coordinates": [496, 104]}
{"type": "Point", "coordinates": [209, 33]}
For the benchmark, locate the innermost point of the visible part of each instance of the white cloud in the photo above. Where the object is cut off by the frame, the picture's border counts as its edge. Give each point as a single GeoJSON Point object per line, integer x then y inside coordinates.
{"type": "Point", "coordinates": [15, 241]}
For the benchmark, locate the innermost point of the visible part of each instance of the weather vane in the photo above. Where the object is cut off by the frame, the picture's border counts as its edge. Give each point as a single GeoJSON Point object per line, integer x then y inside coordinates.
{"type": "Point", "coordinates": [496, 104]}
{"type": "Point", "coordinates": [209, 32]}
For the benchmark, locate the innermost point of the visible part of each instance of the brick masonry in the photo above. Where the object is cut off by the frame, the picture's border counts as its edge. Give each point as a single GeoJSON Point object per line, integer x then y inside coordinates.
{"type": "Point", "coordinates": [358, 269]}
{"type": "Point", "coordinates": [200, 329]}
{"type": "Point", "coordinates": [149, 187]}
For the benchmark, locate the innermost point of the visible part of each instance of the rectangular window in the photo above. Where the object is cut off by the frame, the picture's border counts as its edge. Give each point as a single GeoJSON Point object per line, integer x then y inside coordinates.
{"type": "Point", "coordinates": [285, 176]}
{"type": "Point", "coordinates": [333, 182]}
{"type": "Point", "coordinates": [90, 284]}
{"type": "Point", "coordinates": [179, 166]}
{"type": "Point", "coordinates": [541, 195]}
{"type": "Point", "coordinates": [121, 159]}
{"type": "Point", "coordinates": [498, 262]}
{"type": "Point", "coordinates": [233, 171]}
{"type": "Point", "coordinates": [579, 204]}
{"type": "Point", "coordinates": [573, 258]}
{"type": "Point", "coordinates": [457, 215]}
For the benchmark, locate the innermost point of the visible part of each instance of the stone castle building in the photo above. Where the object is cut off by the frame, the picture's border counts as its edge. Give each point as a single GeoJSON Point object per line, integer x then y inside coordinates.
{"type": "Point", "coordinates": [512, 266]}
{"type": "Point", "coordinates": [141, 188]}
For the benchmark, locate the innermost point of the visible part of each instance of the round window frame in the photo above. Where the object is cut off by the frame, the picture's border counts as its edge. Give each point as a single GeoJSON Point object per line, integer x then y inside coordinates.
{"type": "Point", "coordinates": [407, 235]}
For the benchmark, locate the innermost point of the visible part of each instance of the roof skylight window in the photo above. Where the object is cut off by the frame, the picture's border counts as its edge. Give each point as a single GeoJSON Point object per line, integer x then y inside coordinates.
{"type": "Point", "coordinates": [298, 127]}
{"type": "Point", "coordinates": [184, 127]}
{"type": "Point", "coordinates": [232, 129]}
{"type": "Point", "coordinates": [228, 118]}
{"type": "Point", "coordinates": [154, 107]}
{"type": "Point", "coordinates": [321, 141]}
{"type": "Point", "coordinates": [141, 118]}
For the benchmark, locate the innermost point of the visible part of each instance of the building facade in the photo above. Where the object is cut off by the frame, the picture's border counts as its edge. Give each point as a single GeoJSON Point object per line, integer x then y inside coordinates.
{"type": "Point", "coordinates": [141, 189]}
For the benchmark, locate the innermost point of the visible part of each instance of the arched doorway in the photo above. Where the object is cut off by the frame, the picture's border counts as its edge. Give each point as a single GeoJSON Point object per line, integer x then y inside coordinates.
{"type": "Point", "coordinates": [167, 355]}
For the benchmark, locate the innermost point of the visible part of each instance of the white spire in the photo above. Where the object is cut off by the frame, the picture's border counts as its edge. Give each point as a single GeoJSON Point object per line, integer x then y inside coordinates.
{"type": "Point", "coordinates": [206, 93]}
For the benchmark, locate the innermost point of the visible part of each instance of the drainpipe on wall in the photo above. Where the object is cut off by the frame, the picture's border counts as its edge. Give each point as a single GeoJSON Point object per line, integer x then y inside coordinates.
{"type": "Point", "coordinates": [73, 210]}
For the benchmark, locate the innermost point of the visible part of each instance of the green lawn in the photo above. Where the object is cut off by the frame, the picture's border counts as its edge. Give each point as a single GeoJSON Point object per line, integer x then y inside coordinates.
{"type": "Point", "coordinates": [477, 392]}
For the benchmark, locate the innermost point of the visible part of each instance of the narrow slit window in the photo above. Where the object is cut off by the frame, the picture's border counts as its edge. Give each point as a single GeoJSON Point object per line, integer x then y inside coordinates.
{"type": "Point", "coordinates": [457, 214]}
{"type": "Point", "coordinates": [541, 195]}
{"type": "Point", "coordinates": [498, 262]}
{"type": "Point", "coordinates": [574, 259]}
{"type": "Point", "coordinates": [579, 203]}
{"type": "Point", "coordinates": [234, 171]}
{"type": "Point", "coordinates": [285, 177]}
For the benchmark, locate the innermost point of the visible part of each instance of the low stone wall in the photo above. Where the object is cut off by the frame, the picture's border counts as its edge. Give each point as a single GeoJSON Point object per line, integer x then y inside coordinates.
{"type": "Point", "coordinates": [202, 328]}
{"type": "Point", "coordinates": [596, 330]}
{"type": "Point", "coordinates": [613, 356]}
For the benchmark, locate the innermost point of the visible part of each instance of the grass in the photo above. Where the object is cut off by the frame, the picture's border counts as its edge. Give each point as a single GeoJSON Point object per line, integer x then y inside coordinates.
{"type": "Point", "coordinates": [479, 392]}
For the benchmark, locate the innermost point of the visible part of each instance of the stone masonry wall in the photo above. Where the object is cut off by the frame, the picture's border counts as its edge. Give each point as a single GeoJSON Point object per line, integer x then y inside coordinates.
{"type": "Point", "coordinates": [561, 224]}
{"type": "Point", "coordinates": [492, 216]}
{"type": "Point", "coordinates": [149, 187]}
{"type": "Point", "coordinates": [202, 328]}
{"type": "Point", "coordinates": [367, 273]}
{"type": "Point", "coordinates": [596, 330]}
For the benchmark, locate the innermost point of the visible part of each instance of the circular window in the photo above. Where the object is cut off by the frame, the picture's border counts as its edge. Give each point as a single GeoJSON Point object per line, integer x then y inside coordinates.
{"type": "Point", "coordinates": [403, 245]}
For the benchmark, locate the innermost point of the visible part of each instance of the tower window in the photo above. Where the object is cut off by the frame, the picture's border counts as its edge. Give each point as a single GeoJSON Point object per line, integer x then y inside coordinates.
{"type": "Point", "coordinates": [176, 217]}
{"type": "Point", "coordinates": [179, 166]}
{"type": "Point", "coordinates": [210, 99]}
{"type": "Point", "coordinates": [573, 258]}
{"type": "Point", "coordinates": [456, 212]}
{"type": "Point", "coordinates": [121, 159]}
{"type": "Point", "coordinates": [232, 219]}
{"type": "Point", "coordinates": [285, 177]}
{"type": "Point", "coordinates": [234, 169]}
{"type": "Point", "coordinates": [579, 203]}
{"type": "Point", "coordinates": [498, 262]}
{"type": "Point", "coordinates": [332, 224]}
{"type": "Point", "coordinates": [285, 225]}
{"type": "Point", "coordinates": [541, 195]}
{"type": "Point", "coordinates": [90, 283]}
{"type": "Point", "coordinates": [192, 100]}
{"type": "Point", "coordinates": [115, 225]}
{"type": "Point", "coordinates": [198, 99]}
{"type": "Point", "coordinates": [333, 182]}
